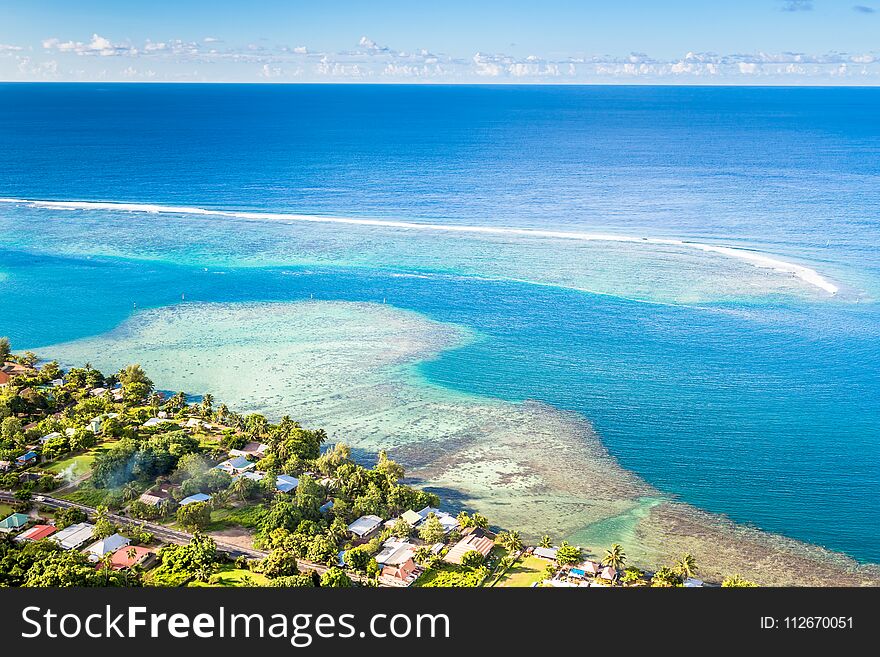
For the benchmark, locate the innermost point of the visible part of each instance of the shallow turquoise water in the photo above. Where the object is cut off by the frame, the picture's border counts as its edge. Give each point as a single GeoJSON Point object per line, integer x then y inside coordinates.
{"type": "Point", "coordinates": [741, 390]}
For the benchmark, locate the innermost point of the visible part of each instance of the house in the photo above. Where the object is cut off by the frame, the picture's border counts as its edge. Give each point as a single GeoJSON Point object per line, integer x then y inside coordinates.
{"type": "Point", "coordinates": [412, 518]}
{"type": "Point", "coordinates": [692, 583]}
{"type": "Point", "coordinates": [132, 555]}
{"type": "Point", "coordinates": [94, 425]}
{"type": "Point", "coordinates": [546, 553]}
{"type": "Point", "coordinates": [252, 450]}
{"type": "Point", "coordinates": [69, 432]}
{"type": "Point", "coordinates": [285, 483]}
{"type": "Point", "coordinates": [394, 553]}
{"type": "Point", "coordinates": [156, 495]}
{"type": "Point", "coordinates": [590, 567]}
{"type": "Point", "coordinates": [448, 521]}
{"type": "Point", "coordinates": [326, 506]}
{"type": "Point", "coordinates": [403, 573]}
{"type": "Point", "coordinates": [75, 536]}
{"type": "Point", "coordinates": [198, 497]}
{"type": "Point", "coordinates": [5, 466]}
{"type": "Point", "coordinates": [28, 458]}
{"type": "Point", "coordinates": [97, 392]}
{"type": "Point", "coordinates": [365, 525]}
{"type": "Point", "coordinates": [235, 466]}
{"type": "Point", "coordinates": [154, 422]}
{"type": "Point", "coordinates": [608, 573]}
{"type": "Point", "coordinates": [36, 533]}
{"type": "Point", "coordinates": [106, 546]}
{"type": "Point", "coordinates": [253, 475]}
{"type": "Point", "coordinates": [5, 377]}
{"type": "Point", "coordinates": [474, 541]}
{"type": "Point", "coordinates": [49, 436]}
{"type": "Point", "coordinates": [55, 383]}
{"type": "Point", "coordinates": [193, 423]}
{"type": "Point", "coordinates": [13, 522]}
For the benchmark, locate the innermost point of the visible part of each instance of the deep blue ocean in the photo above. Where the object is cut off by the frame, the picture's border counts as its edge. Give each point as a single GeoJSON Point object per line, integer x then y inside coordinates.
{"type": "Point", "coordinates": [737, 389]}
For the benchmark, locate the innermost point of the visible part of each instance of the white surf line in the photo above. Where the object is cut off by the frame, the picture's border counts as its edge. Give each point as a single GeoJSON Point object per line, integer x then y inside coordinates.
{"type": "Point", "coordinates": [755, 258]}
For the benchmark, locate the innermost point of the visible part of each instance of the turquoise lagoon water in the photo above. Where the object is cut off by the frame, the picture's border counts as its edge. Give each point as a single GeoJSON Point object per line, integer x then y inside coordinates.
{"type": "Point", "coordinates": [745, 390]}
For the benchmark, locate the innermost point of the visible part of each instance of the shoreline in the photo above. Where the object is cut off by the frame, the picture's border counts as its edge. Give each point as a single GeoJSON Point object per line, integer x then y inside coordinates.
{"type": "Point", "coordinates": [526, 465]}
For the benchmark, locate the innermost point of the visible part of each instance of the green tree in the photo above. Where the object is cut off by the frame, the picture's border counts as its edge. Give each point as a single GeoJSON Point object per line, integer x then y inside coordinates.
{"type": "Point", "coordinates": [195, 516]}
{"type": "Point", "coordinates": [545, 542]}
{"type": "Point", "coordinates": [336, 578]}
{"type": "Point", "coordinates": [737, 582]}
{"type": "Point", "coordinates": [568, 555]}
{"type": "Point", "coordinates": [280, 563]}
{"type": "Point", "coordinates": [5, 349]}
{"type": "Point", "coordinates": [615, 557]}
{"type": "Point", "coordinates": [472, 559]}
{"type": "Point", "coordinates": [686, 565]}
{"type": "Point", "coordinates": [666, 577]}
{"type": "Point", "coordinates": [431, 530]}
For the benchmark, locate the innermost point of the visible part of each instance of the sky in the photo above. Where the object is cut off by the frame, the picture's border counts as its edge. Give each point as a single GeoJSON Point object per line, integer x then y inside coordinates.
{"type": "Point", "coordinates": [454, 41]}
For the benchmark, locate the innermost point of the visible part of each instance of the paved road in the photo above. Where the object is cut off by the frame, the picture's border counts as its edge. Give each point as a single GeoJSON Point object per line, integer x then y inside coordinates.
{"type": "Point", "coordinates": [167, 534]}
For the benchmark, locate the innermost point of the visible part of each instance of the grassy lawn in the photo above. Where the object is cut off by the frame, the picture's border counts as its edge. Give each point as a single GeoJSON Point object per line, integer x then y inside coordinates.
{"type": "Point", "coordinates": [524, 572]}
{"type": "Point", "coordinates": [76, 466]}
{"type": "Point", "coordinates": [86, 494]}
{"type": "Point", "coordinates": [248, 516]}
{"type": "Point", "coordinates": [5, 510]}
{"type": "Point", "coordinates": [229, 576]}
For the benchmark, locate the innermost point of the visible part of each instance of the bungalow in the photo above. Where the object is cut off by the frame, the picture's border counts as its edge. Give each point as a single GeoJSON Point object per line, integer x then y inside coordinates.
{"type": "Point", "coordinates": [285, 483]}
{"type": "Point", "coordinates": [412, 518]}
{"type": "Point", "coordinates": [590, 567]}
{"type": "Point", "coordinates": [198, 497]}
{"type": "Point", "coordinates": [253, 475]}
{"type": "Point", "coordinates": [448, 521]}
{"type": "Point", "coordinates": [55, 383]}
{"type": "Point", "coordinates": [474, 541]}
{"type": "Point", "coordinates": [394, 553]}
{"type": "Point", "coordinates": [365, 525]}
{"type": "Point", "coordinates": [546, 553]}
{"type": "Point", "coordinates": [97, 392]}
{"type": "Point", "coordinates": [156, 495]}
{"type": "Point", "coordinates": [5, 377]}
{"type": "Point", "coordinates": [75, 536]}
{"type": "Point", "coordinates": [49, 436]}
{"type": "Point", "coordinates": [106, 546]}
{"type": "Point", "coordinates": [36, 533]}
{"type": "Point", "coordinates": [193, 423]}
{"type": "Point", "coordinates": [608, 573]}
{"type": "Point", "coordinates": [692, 583]}
{"type": "Point", "coordinates": [94, 425]}
{"type": "Point", "coordinates": [132, 555]}
{"type": "Point", "coordinates": [326, 506]}
{"type": "Point", "coordinates": [13, 522]}
{"type": "Point", "coordinates": [253, 450]}
{"type": "Point", "coordinates": [403, 573]}
{"type": "Point", "coordinates": [154, 422]}
{"type": "Point", "coordinates": [28, 458]}
{"type": "Point", "coordinates": [235, 466]}
{"type": "Point", "coordinates": [150, 499]}
{"type": "Point", "coordinates": [5, 466]}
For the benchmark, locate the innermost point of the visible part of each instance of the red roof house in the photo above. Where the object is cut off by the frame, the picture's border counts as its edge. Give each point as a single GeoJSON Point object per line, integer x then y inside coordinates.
{"type": "Point", "coordinates": [36, 533]}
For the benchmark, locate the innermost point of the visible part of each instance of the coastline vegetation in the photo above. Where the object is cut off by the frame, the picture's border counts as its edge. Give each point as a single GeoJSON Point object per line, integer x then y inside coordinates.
{"type": "Point", "coordinates": [224, 499]}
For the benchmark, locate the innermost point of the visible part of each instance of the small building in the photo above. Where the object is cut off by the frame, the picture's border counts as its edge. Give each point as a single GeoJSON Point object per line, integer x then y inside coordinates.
{"type": "Point", "coordinates": [412, 518]}
{"type": "Point", "coordinates": [193, 423]}
{"type": "Point", "coordinates": [546, 553]}
{"type": "Point", "coordinates": [448, 521]}
{"type": "Point", "coordinates": [253, 475]}
{"type": "Point", "coordinates": [28, 458]}
{"type": "Point", "coordinates": [326, 506]}
{"type": "Point", "coordinates": [474, 541]}
{"type": "Point", "coordinates": [130, 556]}
{"type": "Point", "coordinates": [106, 546]}
{"type": "Point", "coordinates": [13, 522]}
{"type": "Point", "coordinates": [252, 450]}
{"type": "Point", "coordinates": [235, 466]}
{"type": "Point", "coordinates": [192, 499]}
{"type": "Point", "coordinates": [94, 425]}
{"type": "Point", "coordinates": [285, 483]}
{"type": "Point", "coordinates": [590, 567]}
{"type": "Point", "coordinates": [394, 553]}
{"type": "Point", "coordinates": [154, 422]}
{"type": "Point", "coordinates": [50, 436]}
{"type": "Point", "coordinates": [608, 573]}
{"type": "Point", "coordinates": [403, 573]}
{"type": "Point", "coordinates": [75, 536]}
{"type": "Point", "coordinates": [97, 392]}
{"type": "Point", "coordinates": [55, 383]}
{"type": "Point", "coordinates": [692, 583]}
{"type": "Point", "coordinates": [5, 378]}
{"type": "Point", "coordinates": [365, 525]}
{"type": "Point", "coordinates": [5, 466]}
{"type": "Point", "coordinates": [36, 533]}
{"type": "Point", "coordinates": [151, 499]}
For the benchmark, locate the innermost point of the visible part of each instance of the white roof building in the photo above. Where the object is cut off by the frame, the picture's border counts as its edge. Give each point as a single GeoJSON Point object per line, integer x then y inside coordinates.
{"type": "Point", "coordinates": [107, 545]}
{"type": "Point", "coordinates": [546, 553]}
{"type": "Point", "coordinates": [364, 525]}
{"type": "Point", "coordinates": [394, 553]}
{"type": "Point", "coordinates": [192, 499]}
{"type": "Point", "coordinates": [74, 536]}
{"type": "Point", "coordinates": [285, 483]}
{"type": "Point", "coordinates": [49, 436]}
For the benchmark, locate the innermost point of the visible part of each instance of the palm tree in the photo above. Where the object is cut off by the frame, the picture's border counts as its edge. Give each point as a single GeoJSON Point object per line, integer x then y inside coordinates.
{"type": "Point", "coordinates": [207, 403]}
{"type": "Point", "coordinates": [686, 565]}
{"type": "Point", "coordinates": [545, 542]}
{"type": "Point", "coordinates": [615, 557]}
{"type": "Point", "coordinates": [514, 542]}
